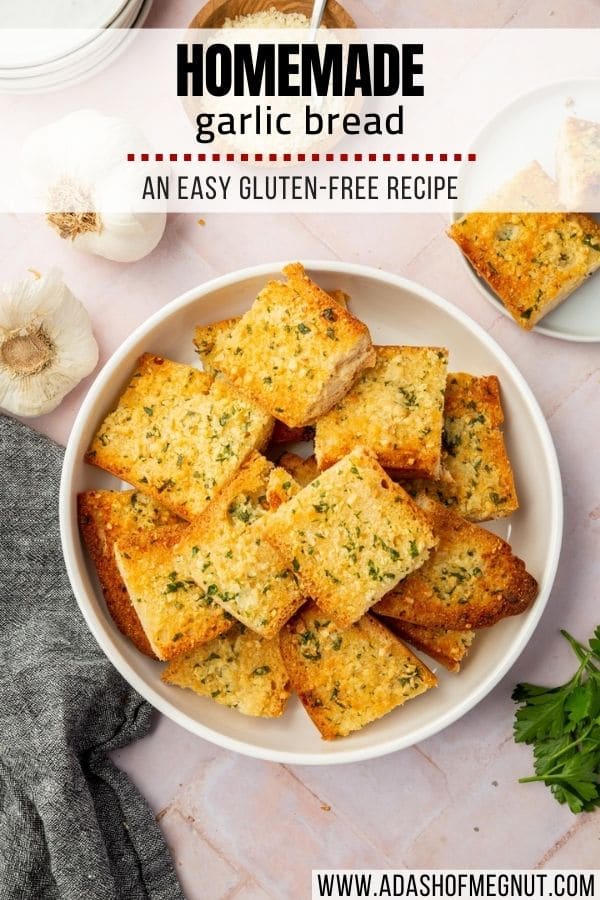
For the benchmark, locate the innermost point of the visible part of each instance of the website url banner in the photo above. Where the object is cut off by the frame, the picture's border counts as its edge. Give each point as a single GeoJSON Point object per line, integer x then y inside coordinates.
{"type": "Point", "coordinates": [353, 883]}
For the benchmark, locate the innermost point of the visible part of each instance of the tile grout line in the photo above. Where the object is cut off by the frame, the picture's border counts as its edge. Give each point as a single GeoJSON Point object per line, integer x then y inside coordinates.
{"type": "Point", "coordinates": [341, 817]}
{"type": "Point", "coordinates": [562, 841]}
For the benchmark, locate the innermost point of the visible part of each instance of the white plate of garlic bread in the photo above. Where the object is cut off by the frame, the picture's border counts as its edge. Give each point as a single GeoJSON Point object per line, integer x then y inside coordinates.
{"type": "Point", "coordinates": [299, 609]}
{"type": "Point", "coordinates": [540, 158]}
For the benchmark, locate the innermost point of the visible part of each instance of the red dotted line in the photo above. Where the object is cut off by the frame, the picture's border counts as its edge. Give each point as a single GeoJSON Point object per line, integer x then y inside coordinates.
{"type": "Point", "coordinates": [302, 157]}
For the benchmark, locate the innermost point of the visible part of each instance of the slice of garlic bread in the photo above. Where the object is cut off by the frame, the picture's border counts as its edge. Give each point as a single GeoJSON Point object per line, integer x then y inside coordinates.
{"type": "Point", "coordinates": [176, 614]}
{"type": "Point", "coordinates": [395, 409]}
{"type": "Point", "coordinates": [240, 669]}
{"type": "Point", "coordinates": [578, 164]}
{"type": "Point", "coordinates": [109, 516]}
{"type": "Point", "coordinates": [178, 435]}
{"type": "Point", "coordinates": [533, 261]}
{"type": "Point", "coordinates": [296, 352]}
{"type": "Point", "coordinates": [477, 478]}
{"type": "Point", "coordinates": [225, 552]}
{"type": "Point", "coordinates": [209, 338]}
{"type": "Point", "coordinates": [445, 645]}
{"type": "Point", "coordinates": [347, 678]}
{"type": "Point", "coordinates": [350, 536]}
{"type": "Point", "coordinates": [530, 190]}
{"type": "Point", "coordinates": [471, 580]}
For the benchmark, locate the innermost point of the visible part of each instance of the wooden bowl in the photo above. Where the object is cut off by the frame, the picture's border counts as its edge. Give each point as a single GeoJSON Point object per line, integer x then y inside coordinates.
{"type": "Point", "coordinates": [214, 13]}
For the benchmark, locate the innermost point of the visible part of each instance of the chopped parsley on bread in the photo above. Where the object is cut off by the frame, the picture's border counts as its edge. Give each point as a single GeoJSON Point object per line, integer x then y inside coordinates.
{"type": "Point", "coordinates": [209, 338]}
{"type": "Point", "coordinates": [178, 435]}
{"type": "Point", "coordinates": [532, 261]}
{"type": "Point", "coordinates": [477, 479]}
{"type": "Point", "coordinates": [445, 645]}
{"type": "Point", "coordinates": [395, 409]}
{"type": "Point", "coordinates": [349, 677]}
{"type": "Point", "coordinates": [240, 669]}
{"type": "Point", "coordinates": [471, 580]}
{"type": "Point", "coordinates": [350, 536]}
{"type": "Point", "coordinates": [176, 613]}
{"type": "Point", "coordinates": [104, 518]}
{"type": "Point", "coordinates": [296, 352]}
{"type": "Point", "coordinates": [225, 552]}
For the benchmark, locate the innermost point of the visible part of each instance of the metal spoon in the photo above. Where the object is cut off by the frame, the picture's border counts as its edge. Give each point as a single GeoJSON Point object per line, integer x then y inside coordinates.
{"type": "Point", "coordinates": [317, 15]}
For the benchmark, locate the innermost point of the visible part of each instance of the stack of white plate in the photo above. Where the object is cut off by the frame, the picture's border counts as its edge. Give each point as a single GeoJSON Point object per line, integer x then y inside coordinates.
{"type": "Point", "coordinates": [48, 45]}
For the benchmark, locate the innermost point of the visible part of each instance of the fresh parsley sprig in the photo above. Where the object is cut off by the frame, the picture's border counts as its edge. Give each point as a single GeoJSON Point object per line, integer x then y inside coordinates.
{"type": "Point", "coordinates": [563, 726]}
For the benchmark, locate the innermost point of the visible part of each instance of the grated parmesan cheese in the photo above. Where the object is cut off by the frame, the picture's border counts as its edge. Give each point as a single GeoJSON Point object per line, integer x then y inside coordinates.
{"type": "Point", "coordinates": [268, 18]}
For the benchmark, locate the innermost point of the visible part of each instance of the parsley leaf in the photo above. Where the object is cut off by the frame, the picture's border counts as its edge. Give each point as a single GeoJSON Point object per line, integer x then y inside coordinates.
{"type": "Point", "coordinates": [563, 726]}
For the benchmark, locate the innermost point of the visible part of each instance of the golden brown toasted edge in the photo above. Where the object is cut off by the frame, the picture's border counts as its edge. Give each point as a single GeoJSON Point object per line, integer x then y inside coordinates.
{"type": "Point", "coordinates": [414, 599]}
{"type": "Point", "coordinates": [166, 542]}
{"type": "Point", "coordinates": [120, 607]}
{"type": "Point", "coordinates": [303, 470]}
{"type": "Point", "coordinates": [313, 669]}
{"type": "Point", "coordinates": [256, 690]}
{"type": "Point", "coordinates": [447, 646]}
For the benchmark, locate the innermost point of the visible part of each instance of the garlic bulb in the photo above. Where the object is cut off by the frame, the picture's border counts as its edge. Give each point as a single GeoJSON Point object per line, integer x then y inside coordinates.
{"type": "Point", "coordinates": [46, 344]}
{"type": "Point", "coordinates": [77, 167]}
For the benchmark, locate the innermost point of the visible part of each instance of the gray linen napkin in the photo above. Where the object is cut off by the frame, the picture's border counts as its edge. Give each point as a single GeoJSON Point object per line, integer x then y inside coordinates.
{"type": "Point", "coordinates": [72, 826]}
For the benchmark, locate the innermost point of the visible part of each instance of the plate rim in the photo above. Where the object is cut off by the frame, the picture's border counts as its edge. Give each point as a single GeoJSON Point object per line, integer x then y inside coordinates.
{"type": "Point", "coordinates": [69, 528]}
{"type": "Point", "coordinates": [479, 282]}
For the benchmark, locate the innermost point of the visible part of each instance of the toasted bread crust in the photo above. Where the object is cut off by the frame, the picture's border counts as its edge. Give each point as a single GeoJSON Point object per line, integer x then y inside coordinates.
{"type": "Point", "coordinates": [446, 646]}
{"type": "Point", "coordinates": [472, 580]}
{"type": "Point", "coordinates": [303, 470]}
{"type": "Point", "coordinates": [175, 613]}
{"type": "Point", "coordinates": [532, 261]}
{"type": "Point", "coordinates": [395, 409]}
{"type": "Point", "coordinates": [178, 435]}
{"type": "Point", "coordinates": [349, 536]}
{"type": "Point", "coordinates": [347, 678]}
{"type": "Point", "coordinates": [104, 518]}
{"type": "Point", "coordinates": [240, 670]}
{"type": "Point", "coordinates": [296, 351]}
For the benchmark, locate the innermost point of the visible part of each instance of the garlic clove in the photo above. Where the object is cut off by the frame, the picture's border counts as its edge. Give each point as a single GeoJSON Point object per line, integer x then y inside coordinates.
{"type": "Point", "coordinates": [77, 166]}
{"type": "Point", "coordinates": [46, 344]}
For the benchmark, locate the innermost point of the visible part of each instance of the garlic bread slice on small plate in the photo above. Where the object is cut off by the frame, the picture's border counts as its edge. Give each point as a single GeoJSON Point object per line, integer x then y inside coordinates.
{"type": "Point", "coordinates": [521, 142]}
{"type": "Point", "coordinates": [396, 312]}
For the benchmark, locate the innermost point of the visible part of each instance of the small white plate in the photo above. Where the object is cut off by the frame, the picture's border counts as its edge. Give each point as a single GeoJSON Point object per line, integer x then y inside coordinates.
{"type": "Point", "coordinates": [397, 311]}
{"type": "Point", "coordinates": [535, 118]}
{"type": "Point", "coordinates": [87, 60]}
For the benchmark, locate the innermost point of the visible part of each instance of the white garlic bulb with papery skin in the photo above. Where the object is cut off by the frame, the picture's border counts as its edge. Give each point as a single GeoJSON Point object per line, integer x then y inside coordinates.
{"type": "Point", "coordinates": [77, 167]}
{"type": "Point", "coordinates": [46, 344]}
